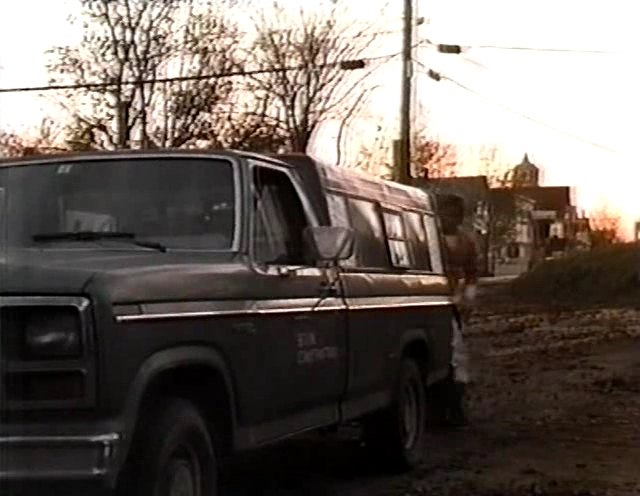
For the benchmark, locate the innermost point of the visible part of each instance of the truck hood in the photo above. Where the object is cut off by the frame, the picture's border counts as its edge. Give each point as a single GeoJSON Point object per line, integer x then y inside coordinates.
{"type": "Point", "coordinates": [118, 275]}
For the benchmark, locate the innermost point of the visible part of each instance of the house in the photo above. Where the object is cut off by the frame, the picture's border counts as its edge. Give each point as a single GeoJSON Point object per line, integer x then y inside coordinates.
{"type": "Point", "coordinates": [555, 216]}
{"type": "Point", "coordinates": [475, 192]}
{"type": "Point", "coordinates": [513, 234]}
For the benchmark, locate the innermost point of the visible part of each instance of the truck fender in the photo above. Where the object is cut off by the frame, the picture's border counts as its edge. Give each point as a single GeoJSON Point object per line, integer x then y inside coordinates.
{"type": "Point", "coordinates": [163, 361]}
{"type": "Point", "coordinates": [410, 337]}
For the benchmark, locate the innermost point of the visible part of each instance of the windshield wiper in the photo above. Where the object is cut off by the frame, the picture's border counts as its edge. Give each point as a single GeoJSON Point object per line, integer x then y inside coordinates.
{"type": "Point", "coordinates": [97, 236]}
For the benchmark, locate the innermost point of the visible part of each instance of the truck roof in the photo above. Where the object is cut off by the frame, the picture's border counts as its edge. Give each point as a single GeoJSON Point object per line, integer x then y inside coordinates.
{"type": "Point", "coordinates": [353, 182]}
{"type": "Point", "coordinates": [110, 154]}
{"type": "Point", "coordinates": [337, 179]}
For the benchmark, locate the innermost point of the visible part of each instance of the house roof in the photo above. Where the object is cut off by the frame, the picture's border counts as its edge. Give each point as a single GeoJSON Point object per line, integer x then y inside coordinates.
{"type": "Point", "coordinates": [504, 200]}
{"type": "Point", "coordinates": [557, 198]}
{"type": "Point", "coordinates": [471, 188]}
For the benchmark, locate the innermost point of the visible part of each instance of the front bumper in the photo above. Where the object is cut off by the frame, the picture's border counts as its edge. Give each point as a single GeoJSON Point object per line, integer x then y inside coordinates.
{"type": "Point", "coordinates": [58, 458]}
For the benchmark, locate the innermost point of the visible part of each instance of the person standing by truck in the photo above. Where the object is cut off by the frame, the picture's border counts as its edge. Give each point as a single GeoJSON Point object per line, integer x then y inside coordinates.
{"type": "Point", "coordinates": [462, 272]}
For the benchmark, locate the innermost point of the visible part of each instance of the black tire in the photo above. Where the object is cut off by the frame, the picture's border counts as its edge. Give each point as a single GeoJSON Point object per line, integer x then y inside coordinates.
{"type": "Point", "coordinates": [172, 454]}
{"type": "Point", "coordinates": [396, 435]}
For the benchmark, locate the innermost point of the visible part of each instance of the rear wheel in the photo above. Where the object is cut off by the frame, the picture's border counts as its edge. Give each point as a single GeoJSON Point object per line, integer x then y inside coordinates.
{"type": "Point", "coordinates": [397, 434]}
{"type": "Point", "coordinates": [172, 455]}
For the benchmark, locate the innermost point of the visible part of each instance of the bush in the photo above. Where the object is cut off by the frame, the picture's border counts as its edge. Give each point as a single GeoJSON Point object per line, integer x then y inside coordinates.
{"type": "Point", "coordinates": [608, 276]}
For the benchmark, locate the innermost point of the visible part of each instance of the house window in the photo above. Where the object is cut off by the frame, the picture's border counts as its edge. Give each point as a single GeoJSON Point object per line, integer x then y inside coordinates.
{"type": "Point", "coordinates": [397, 240]}
{"type": "Point", "coordinates": [556, 229]}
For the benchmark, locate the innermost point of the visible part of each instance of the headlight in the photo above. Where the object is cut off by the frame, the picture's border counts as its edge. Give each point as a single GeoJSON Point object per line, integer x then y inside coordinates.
{"type": "Point", "coordinates": [52, 333]}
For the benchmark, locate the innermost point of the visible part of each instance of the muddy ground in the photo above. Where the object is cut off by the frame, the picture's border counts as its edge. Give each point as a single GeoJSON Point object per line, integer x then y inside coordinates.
{"type": "Point", "coordinates": [555, 410]}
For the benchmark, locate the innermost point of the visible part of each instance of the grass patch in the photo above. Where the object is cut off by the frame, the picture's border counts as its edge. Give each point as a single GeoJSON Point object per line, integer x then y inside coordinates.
{"type": "Point", "coordinates": [608, 276]}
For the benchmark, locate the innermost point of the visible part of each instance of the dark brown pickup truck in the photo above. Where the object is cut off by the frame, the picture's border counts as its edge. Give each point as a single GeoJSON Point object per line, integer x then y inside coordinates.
{"type": "Point", "coordinates": [161, 311]}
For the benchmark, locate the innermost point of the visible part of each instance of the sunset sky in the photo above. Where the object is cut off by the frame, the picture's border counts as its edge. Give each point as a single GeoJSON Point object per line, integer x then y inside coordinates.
{"type": "Point", "coordinates": [575, 114]}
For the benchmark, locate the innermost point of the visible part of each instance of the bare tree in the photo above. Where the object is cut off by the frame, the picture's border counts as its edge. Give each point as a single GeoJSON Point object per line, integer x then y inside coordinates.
{"type": "Point", "coordinates": [123, 40]}
{"type": "Point", "coordinates": [141, 41]}
{"type": "Point", "coordinates": [436, 157]}
{"type": "Point", "coordinates": [41, 142]}
{"type": "Point", "coordinates": [605, 226]}
{"type": "Point", "coordinates": [12, 145]}
{"type": "Point", "coordinates": [188, 111]}
{"type": "Point", "coordinates": [493, 166]}
{"type": "Point", "coordinates": [350, 113]}
{"type": "Point", "coordinates": [433, 158]}
{"type": "Point", "coordinates": [376, 159]}
{"type": "Point", "coordinates": [308, 54]}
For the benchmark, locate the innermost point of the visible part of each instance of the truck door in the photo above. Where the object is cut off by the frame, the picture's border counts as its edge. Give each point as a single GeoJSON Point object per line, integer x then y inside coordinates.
{"type": "Point", "coordinates": [302, 338]}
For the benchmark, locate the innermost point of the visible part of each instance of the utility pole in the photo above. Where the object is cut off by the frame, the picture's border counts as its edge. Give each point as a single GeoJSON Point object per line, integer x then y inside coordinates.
{"type": "Point", "coordinates": [402, 153]}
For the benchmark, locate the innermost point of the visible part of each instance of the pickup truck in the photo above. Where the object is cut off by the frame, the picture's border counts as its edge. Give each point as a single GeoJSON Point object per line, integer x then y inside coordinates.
{"type": "Point", "coordinates": [164, 310]}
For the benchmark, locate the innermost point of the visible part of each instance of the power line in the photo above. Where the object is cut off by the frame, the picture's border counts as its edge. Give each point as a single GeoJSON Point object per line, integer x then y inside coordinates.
{"type": "Point", "coordinates": [545, 49]}
{"type": "Point", "coordinates": [445, 48]}
{"type": "Point", "coordinates": [533, 119]}
{"type": "Point", "coordinates": [474, 62]}
{"type": "Point", "coordinates": [346, 65]}
{"type": "Point", "coordinates": [438, 77]}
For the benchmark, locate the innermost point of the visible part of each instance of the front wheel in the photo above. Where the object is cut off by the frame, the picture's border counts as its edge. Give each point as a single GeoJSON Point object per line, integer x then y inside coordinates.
{"type": "Point", "coordinates": [172, 455]}
{"type": "Point", "coordinates": [397, 434]}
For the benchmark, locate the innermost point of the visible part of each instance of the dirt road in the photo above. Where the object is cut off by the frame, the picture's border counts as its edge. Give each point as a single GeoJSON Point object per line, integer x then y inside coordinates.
{"type": "Point", "coordinates": [555, 410]}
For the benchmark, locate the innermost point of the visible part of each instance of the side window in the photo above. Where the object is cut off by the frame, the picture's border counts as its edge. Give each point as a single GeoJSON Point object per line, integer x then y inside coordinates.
{"type": "Point", "coordinates": [433, 238]}
{"type": "Point", "coordinates": [397, 240]}
{"type": "Point", "coordinates": [371, 251]}
{"type": "Point", "coordinates": [339, 216]}
{"type": "Point", "coordinates": [417, 236]}
{"type": "Point", "coordinates": [279, 219]}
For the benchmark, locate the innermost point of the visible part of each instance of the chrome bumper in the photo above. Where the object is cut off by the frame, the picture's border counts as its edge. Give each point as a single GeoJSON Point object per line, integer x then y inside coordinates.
{"type": "Point", "coordinates": [24, 458]}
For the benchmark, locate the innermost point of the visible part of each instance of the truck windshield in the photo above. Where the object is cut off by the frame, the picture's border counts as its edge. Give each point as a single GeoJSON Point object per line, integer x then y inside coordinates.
{"type": "Point", "coordinates": [180, 203]}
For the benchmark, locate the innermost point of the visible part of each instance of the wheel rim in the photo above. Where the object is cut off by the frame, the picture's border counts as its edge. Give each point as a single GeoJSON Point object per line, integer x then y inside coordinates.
{"type": "Point", "coordinates": [411, 416]}
{"type": "Point", "coordinates": [183, 474]}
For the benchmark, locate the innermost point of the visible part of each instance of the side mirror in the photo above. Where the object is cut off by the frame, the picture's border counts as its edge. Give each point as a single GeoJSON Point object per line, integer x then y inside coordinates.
{"type": "Point", "coordinates": [329, 243]}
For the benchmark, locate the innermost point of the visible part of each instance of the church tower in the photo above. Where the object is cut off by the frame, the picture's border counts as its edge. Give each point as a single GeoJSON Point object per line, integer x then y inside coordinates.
{"type": "Point", "coordinates": [525, 174]}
